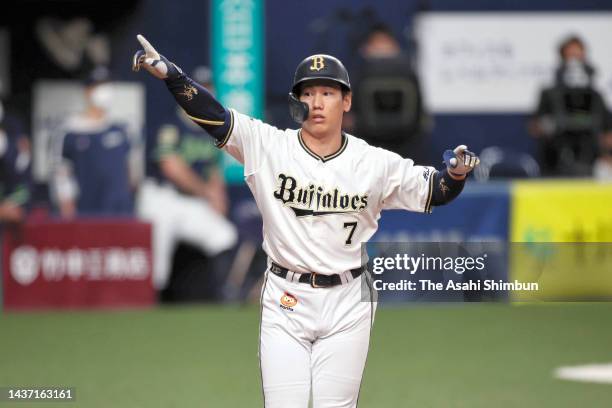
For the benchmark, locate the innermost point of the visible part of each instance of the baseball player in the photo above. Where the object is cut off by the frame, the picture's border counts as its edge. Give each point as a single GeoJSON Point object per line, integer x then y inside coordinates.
{"type": "Point", "coordinates": [320, 192]}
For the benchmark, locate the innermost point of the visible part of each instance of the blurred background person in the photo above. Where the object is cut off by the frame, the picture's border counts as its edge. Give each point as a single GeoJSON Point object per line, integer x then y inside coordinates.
{"type": "Point", "coordinates": [92, 170]}
{"type": "Point", "coordinates": [388, 103]}
{"type": "Point", "coordinates": [570, 115]}
{"type": "Point", "coordinates": [186, 202]}
{"type": "Point", "coordinates": [15, 160]}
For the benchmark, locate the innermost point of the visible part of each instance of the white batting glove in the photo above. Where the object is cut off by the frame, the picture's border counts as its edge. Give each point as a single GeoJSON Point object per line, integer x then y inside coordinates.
{"type": "Point", "coordinates": [460, 161]}
{"type": "Point", "coordinates": [154, 62]}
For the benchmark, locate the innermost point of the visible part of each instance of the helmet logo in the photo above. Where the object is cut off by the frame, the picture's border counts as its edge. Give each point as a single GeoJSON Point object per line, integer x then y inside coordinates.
{"type": "Point", "coordinates": [318, 63]}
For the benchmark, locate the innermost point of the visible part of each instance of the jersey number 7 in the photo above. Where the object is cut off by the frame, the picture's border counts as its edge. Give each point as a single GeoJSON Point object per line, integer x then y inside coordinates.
{"type": "Point", "coordinates": [352, 226]}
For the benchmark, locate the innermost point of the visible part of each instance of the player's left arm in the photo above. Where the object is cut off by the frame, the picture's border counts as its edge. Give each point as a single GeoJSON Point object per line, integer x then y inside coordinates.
{"type": "Point", "coordinates": [418, 188]}
{"type": "Point", "coordinates": [448, 183]}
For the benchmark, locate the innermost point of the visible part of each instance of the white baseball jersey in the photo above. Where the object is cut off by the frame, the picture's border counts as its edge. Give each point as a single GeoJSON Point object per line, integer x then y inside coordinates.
{"type": "Point", "coordinates": [318, 210]}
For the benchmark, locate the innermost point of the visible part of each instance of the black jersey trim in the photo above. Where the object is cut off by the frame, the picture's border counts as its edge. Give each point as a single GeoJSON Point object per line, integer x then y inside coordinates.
{"type": "Point", "coordinates": [206, 121]}
{"type": "Point", "coordinates": [310, 152]}
{"type": "Point", "coordinates": [229, 131]}
{"type": "Point", "coordinates": [329, 156]}
{"type": "Point", "coordinates": [430, 195]}
{"type": "Point", "coordinates": [263, 289]}
{"type": "Point", "coordinates": [300, 212]}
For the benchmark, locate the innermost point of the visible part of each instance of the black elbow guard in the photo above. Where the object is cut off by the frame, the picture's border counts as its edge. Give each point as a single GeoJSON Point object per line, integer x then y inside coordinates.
{"type": "Point", "coordinates": [445, 188]}
{"type": "Point", "coordinates": [201, 106]}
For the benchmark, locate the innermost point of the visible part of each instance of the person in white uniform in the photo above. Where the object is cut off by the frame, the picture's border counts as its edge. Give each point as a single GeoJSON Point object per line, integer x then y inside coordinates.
{"type": "Point", "coordinates": [320, 192]}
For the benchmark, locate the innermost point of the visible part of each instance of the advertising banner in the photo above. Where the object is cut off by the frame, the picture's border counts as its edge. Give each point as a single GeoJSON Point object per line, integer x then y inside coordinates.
{"type": "Point", "coordinates": [479, 214]}
{"type": "Point", "coordinates": [237, 44]}
{"type": "Point", "coordinates": [83, 264]}
{"type": "Point", "coordinates": [561, 211]}
{"type": "Point", "coordinates": [498, 62]}
{"type": "Point", "coordinates": [566, 230]}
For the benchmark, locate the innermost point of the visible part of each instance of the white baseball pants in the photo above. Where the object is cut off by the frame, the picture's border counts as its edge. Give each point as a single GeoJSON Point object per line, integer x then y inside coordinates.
{"type": "Point", "coordinates": [314, 341]}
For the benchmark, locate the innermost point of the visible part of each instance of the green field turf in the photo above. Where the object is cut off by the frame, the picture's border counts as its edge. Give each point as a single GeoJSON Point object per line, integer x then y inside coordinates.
{"type": "Point", "coordinates": [477, 355]}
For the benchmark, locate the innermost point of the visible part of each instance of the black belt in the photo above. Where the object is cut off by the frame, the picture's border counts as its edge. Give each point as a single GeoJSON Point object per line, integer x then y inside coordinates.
{"type": "Point", "coordinates": [316, 280]}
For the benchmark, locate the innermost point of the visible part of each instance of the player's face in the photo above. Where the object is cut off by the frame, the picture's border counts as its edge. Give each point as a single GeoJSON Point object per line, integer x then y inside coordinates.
{"type": "Point", "coordinates": [326, 107]}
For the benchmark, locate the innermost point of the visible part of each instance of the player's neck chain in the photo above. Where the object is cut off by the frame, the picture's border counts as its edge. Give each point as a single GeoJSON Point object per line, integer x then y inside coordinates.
{"type": "Point", "coordinates": [327, 157]}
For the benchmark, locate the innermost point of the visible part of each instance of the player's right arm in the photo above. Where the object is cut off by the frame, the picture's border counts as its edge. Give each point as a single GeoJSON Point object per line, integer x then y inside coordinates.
{"type": "Point", "coordinates": [240, 135]}
{"type": "Point", "coordinates": [197, 102]}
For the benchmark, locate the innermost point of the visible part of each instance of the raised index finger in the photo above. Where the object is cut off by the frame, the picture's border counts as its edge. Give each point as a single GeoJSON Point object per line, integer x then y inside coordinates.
{"type": "Point", "coordinates": [147, 47]}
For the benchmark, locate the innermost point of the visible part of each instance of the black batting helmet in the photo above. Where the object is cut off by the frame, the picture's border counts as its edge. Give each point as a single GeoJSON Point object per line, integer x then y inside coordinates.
{"type": "Point", "coordinates": [318, 66]}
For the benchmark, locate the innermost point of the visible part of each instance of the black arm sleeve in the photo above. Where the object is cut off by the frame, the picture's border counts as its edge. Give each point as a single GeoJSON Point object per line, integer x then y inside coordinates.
{"type": "Point", "coordinates": [201, 107]}
{"type": "Point", "coordinates": [445, 188]}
